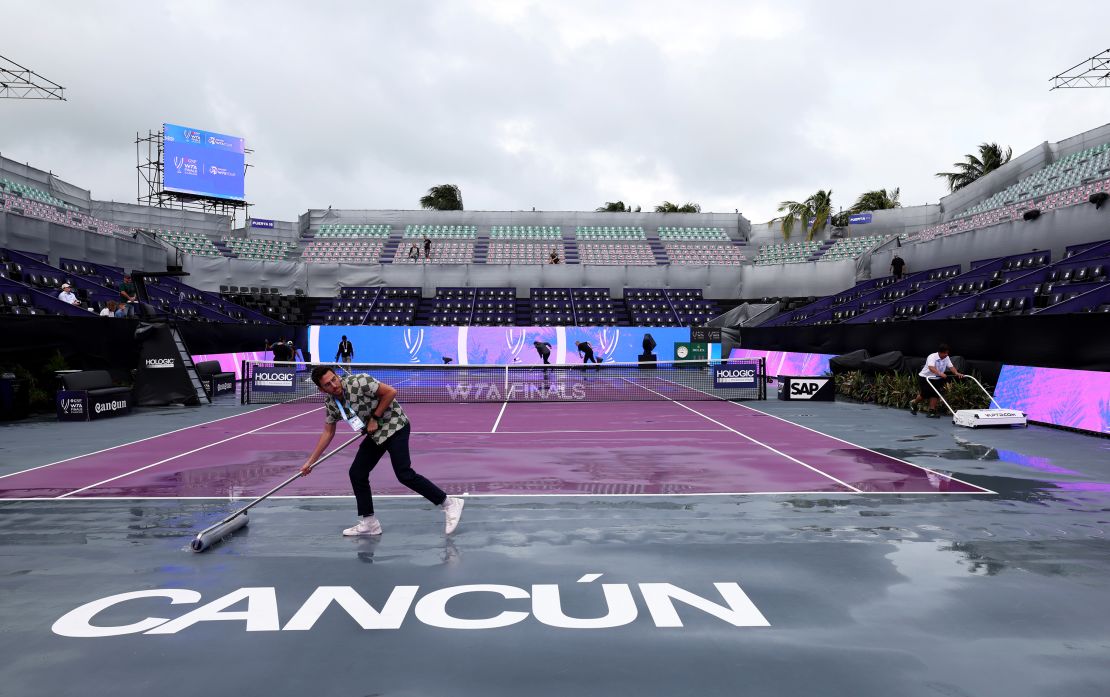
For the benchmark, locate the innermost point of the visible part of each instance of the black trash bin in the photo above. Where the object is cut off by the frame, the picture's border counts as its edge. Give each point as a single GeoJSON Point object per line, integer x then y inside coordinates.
{"type": "Point", "coordinates": [15, 397]}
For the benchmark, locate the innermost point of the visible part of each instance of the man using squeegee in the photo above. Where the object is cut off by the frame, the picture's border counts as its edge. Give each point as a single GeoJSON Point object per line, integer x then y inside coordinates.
{"type": "Point", "coordinates": [369, 406]}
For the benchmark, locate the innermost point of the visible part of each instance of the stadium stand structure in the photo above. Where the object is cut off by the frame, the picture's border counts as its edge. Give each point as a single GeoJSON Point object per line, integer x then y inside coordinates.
{"type": "Point", "coordinates": [189, 242]}
{"type": "Point", "coordinates": [1069, 181]}
{"type": "Point", "coordinates": [20, 199]}
{"type": "Point", "coordinates": [95, 284]}
{"type": "Point", "coordinates": [259, 248]}
{"type": "Point", "coordinates": [1023, 284]}
{"type": "Point", "coordinates": [787, 252]}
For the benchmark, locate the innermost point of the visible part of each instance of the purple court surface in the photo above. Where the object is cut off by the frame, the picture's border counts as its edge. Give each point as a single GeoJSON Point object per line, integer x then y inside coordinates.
{"type": "Point", "coordinates": [558, 449]}
{"type": "Point", "coordinates": [630, 548]}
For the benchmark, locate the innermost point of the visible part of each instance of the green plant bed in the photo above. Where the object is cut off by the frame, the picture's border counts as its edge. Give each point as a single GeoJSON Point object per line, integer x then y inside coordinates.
{"type": "Point", "coordinates": [897, 389]}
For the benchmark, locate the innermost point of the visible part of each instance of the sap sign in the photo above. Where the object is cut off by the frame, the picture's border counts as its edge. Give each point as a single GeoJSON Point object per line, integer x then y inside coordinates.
{"type": "Point", "coordinates": [735, 376]}
{"type": "Point", "coordinates": [272, 380]}
{"type": "Point", "coordinates": [805, 388]}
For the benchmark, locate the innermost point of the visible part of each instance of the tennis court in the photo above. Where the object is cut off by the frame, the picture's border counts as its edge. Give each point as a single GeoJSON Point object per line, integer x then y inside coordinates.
{"type": "Point", "coordinates": [643, 442]}
{"type": "Point", "coordinates": [655, 545]}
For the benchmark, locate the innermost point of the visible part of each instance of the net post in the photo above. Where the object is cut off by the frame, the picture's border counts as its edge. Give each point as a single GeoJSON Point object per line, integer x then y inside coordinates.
{"type": "Point", "coordinates": [243, 382]}
{"type": "Point", "coordinates": [762, 378]}
{"type": "Point", "coordinates": [506, 390]}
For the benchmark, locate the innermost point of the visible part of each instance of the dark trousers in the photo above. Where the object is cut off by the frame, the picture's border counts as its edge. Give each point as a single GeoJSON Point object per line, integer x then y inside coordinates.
{"type": "Point", "coordinates": [367, 457]}
{"type": "Point", "coordinates": [591, 357]}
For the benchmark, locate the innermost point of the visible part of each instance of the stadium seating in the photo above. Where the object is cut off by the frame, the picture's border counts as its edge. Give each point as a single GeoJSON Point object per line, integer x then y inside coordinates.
{"type": "Point", "coordinates": [607, 232]}
{"type": "Point", "coordinates": [693, 234]}
{"type": "Point", "coordinates": [551, 307]}
{"type": "Point", "coordinates": [1065, 173]}
{"type": "Point", "coordinates": [444, 251]}
{"type": "Point", "coordinates": [442, 232]}
{"type": "Point", "coordinates": [494, 307]}
{"type": "Point", "coordinates": [333, 230]}
{"type": "Point", "coordinates": [267, 250]}
{"type": "Point", "coordinates": [1023, 284]}
{"type": "Point", "coordinates": [356, 250]}
{"type": "Point", "coordinates": [655, 307]}
{"type": "Point", "coordinates": [522, 252]}
{"type": "Point", "coordinates": [850, 248]}
{"type": "Point", "coordinates": [712, 254]}
{"type": "Point", "coordinates": [525, 232]}
{"type": "Point", "coordinates": [394, 306]}
{"type": "Point", "coordinates": [452, 307]}
{"type": "Point", "coordinates": [594, 307]}
{"type": "Point", "coordinates": [1067, 182]}
{"type": "Point", "coordinates": [191, 242]}
{"type": "Point", "coordinates": [11, 201]}
{"type": "Point", "coordinates": [31, 193]}
{"type": "Point", "coordinates": [630, 254]}
{"type": "Point", "coordinates": [786, 253]}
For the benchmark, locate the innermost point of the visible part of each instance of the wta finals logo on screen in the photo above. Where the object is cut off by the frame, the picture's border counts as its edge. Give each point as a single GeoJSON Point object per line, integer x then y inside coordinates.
{"type": "Point", "coordinates": [514, 339]}
{"type": "Point", "coordinates": [608, 343]}
{"type": "Point", "coordinates": [413, 341]}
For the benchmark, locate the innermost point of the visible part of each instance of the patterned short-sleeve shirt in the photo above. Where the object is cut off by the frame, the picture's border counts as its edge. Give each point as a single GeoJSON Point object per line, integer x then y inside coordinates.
{"type": "Point", "coordinates": [361, 393]}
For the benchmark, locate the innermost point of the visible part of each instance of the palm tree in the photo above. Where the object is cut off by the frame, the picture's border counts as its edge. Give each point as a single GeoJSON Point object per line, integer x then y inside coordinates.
{"type": "Point", "coordinates": [878, 200]}
{"type": "Point", "coordinates": [445, 197]}
{"type": "Point", "coordinates": [668, 207]}
{"type": "Point", "coordinates": [990, 158]}
{"type": "Point", "coordinates": [818, 208]}
{"type": "Point", "coordinates": [614, 207]}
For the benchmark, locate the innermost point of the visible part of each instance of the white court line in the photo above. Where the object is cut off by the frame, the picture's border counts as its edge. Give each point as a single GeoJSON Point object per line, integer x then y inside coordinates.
{"type": "Point", "coordinates": [744, 435]}
{"type": "Point", "coordinates": [861, 447]}
{"type": "Point", "coordinates": [248, 497]}
{"type": "Point", "coordinates": [854, 445]}
{"type": "Point", "coordinates": [159, 435]}
{"type": "Point", "coordinates": [499, 415]}
{"type": "Point", "coordinates": [190, 452]}
{"type": "Point", "coordinates": [501, 433]}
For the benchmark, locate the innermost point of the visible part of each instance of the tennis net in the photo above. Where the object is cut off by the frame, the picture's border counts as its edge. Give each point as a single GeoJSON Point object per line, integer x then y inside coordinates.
{"type": "Point", "coordinates": [269, 382]}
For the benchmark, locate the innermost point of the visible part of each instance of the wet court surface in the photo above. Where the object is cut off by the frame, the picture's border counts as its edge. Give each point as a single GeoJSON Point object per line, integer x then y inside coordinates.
{"type": "Point", "coordinates": [908, 558]}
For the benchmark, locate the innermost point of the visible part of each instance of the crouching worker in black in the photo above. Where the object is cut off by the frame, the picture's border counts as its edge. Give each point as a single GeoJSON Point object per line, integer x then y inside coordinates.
{"type": "Point", "coordinates": [370, 406]}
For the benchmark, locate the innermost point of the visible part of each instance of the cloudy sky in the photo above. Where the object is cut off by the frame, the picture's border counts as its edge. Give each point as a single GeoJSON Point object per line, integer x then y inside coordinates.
{"type": "Point", "coordinates": [560, 105]}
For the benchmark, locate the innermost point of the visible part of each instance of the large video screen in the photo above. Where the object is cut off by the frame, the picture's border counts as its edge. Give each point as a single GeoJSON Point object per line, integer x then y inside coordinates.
{"type": "Point", "coordinates": [1072, 398]}
{"type": "Point", "coordinates": [204, 163]}
{"type": "Point", "coordinates": [491, 345]}
{"type": "Point", "coordinates": [786, 362]}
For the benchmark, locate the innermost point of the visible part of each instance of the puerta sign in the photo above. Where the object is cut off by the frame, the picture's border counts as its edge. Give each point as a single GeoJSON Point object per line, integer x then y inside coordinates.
{"type": "Point", "coordinates": [273, 380]}
{"type": "Point", "coordinates": [736, 375]}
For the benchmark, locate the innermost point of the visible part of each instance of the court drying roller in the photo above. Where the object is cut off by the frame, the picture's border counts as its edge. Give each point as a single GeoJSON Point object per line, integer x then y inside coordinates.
{"type": "Point", "coordinates": [213, 534]}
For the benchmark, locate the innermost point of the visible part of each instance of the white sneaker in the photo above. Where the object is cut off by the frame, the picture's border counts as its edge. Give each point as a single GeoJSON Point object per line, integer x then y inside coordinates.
{"type": "Point", "coordinates": [368, 525]}
{"type": "Point", "coordinates": [452, 508]}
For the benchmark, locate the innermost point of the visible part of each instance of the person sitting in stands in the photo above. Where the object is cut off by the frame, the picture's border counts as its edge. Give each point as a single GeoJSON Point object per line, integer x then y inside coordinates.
{"type": "Point", "coordinates": [553, 258]}
{"type": "Point", "coordinates": [121, 310]}
{"type": "Point", "coordinates": [109, 309]}
{"type": "Point", "coordinates": [414, 252]}
{"type": "Point", "coordinates": [67, 295]}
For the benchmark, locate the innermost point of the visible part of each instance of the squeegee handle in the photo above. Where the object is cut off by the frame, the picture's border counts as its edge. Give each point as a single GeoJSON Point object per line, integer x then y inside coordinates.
{"type": "Point", "coordinates": [279, 487]}
{"type": "Point", "coordinates": [988, 394]}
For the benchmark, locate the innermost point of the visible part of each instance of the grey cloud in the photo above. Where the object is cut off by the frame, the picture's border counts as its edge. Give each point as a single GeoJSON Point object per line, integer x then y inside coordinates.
{"type": "Point", "coordinates": [367, 105]}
